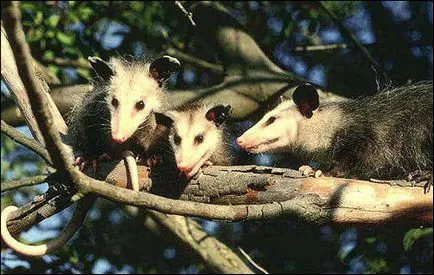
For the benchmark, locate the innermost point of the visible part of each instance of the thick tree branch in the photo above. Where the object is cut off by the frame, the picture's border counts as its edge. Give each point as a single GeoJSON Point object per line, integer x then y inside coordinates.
{"type": "Point", "coordinates": [33, 145]}
{"type": "Point", "coordinates": [48, 124]}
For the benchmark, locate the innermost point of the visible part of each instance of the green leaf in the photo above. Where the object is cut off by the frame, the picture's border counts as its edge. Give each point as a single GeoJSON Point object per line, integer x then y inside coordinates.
{"type": "Point", "coordinates": [64, 38]}
{"type": "Point", "coordinates": [413, 235]}
{"type": "Point", "coordinates": [53, 20]}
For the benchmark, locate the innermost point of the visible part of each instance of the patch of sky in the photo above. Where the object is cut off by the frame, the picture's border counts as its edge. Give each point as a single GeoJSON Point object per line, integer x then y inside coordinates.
{"type": "Point", "coordinates": [109, 34]}
{"type": "Point", "coordinates": [360, 24]}
{"type": "Point", "coordinates": [381, 247]}
{"type": "Point", "coordinates": [210, 226]}
{"type": "Point", "coordinates": [406, 269]}
{"type": "Point", "coordinates": [348, 240]}
{"type": "Point", "coordinates": [316, 75]}
{"type": "Point", "coordinates": [293, 62]}
{"type": "Point", "coordinates": [12, 261]}
{"type": "Point", "coordinates": [357, 266]}
{"type": "Point", "coordinates": [330, 35]}
{"type": "Point", "coordinates": [415, 35]}
{"type": "Point", "coordinates": [169, 253]}
{"type": "Point", "coordinates": [101, 266]}
{"type": "Point", "coordinates": [416, 51]}
{"type": "Point", "coordinates": [126, 269]}
{"type": "Point", "coordinates": [264, 159]}
{"type": "Point", "coordinates": [275, 25]}
{"type": "Point", "coordinates": [94, 213]}
{"type": "Point", "coordinates": [115, 216]}
{"type": "Point", "coordinates": [400, 10]}
{"type": "Point", "coordinates": [326, 233]}
{"type": "Point", "coordinates": [253, 5]}
{"type": "Point", "coordinates": [139, 49]}
{"type": "Point", "coordinates": [48, 228]}
{"type": "Point", "coordinates": [4, 89]}
{"type": "Point", "coordinates": [70, 73]}
{"type": "Point", "coordinates": [189, 76]}
{"type": "Point", "coordinates": [190, 270]}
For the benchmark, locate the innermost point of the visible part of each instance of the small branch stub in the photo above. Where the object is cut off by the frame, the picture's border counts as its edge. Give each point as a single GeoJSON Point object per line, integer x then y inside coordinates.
{"type": "Point", "coordinates": [186, 12]}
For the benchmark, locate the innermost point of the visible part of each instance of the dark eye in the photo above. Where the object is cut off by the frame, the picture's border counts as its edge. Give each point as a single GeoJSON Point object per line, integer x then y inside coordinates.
{"type": "Point", "coordinates": [270, 120]}
{"type": "Point", "coordinates": [198, 139]}
{"type": "Point", "coordinates": [177, 139]}
{"type": "Point", "coordinates": [115, 102]}
{"type": "Point", "coordinates": [140, 105]}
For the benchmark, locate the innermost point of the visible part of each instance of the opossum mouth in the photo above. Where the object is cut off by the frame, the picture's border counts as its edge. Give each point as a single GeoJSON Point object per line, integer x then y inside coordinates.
{"type": "Point", "coordinates": [260, 145]}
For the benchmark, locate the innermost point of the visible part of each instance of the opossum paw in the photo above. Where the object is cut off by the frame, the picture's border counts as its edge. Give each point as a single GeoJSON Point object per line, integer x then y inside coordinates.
{"type": "Point", "coordinates": [84, 163]}
{"type": "Point", "coordinates": [309, 171]}
{"type": "Point", "coordinates": [104, 157]}
{"type": "Point", "coordinates": [420, 176]}
{"type": "Point", "coordinates": [154, 161]}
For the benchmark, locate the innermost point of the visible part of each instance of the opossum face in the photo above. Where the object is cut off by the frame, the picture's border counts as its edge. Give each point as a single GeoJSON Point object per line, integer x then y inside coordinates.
{"type": "Point", "coordinates": [279, 129]}
{"type": "Point", "coordinates": [195, 134]}
{"type": "Point", "coordinates": [134, 92]}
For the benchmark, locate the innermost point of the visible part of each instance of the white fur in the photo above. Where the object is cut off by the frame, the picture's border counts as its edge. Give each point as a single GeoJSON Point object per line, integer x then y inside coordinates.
{"type": "Point", "coordinates": [129, 85]}
{"type": "Point", "coordinates": [189, 124]}
{"type": "Point", "coordinates": [292, 130]}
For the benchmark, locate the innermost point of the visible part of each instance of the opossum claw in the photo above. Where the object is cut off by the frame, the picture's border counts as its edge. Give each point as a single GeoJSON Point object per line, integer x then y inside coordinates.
{"type": "Point", "coordinates": [94, 165]}
{"type": "Point", "coordinates": [104, 157]}
{"type": "Point", "coordinates": [308, 171]}
{"type": "Point", "coordinates": [419, 176]}
{"type": "Point", "coordinates": [154, 161]}
{"type": "Point", "coordinates": [78, 160]}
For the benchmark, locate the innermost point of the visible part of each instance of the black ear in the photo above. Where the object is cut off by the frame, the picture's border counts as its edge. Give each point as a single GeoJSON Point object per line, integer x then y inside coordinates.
{"type": "Point", "coordinates": [101, 68]}
{"type": "Point", "coordinates": [163, 119]}
{"type": "Point", "coordinates": [219, 114]}
{"type": "Point", "coordinates": [306, 98]}
{"type": "Point", "coordinates": [162, 68]}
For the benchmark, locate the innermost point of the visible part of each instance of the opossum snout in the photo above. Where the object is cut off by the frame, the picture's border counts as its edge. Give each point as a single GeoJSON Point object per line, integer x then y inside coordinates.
{"type": "Point", "coordinates": [240, 142]}
{"type": "Point", "coordinates": [119, 138]}
{"type": "Point", "coordinates": [184, 168]}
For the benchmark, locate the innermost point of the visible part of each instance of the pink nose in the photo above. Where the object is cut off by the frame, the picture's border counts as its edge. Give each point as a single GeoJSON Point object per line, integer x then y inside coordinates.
{"type": "Point", "coordinates": [184, 168]}
{"type": "Point", "coordinates": [118, 139]}
{"type": "Point", "coordinates": [240, 142]}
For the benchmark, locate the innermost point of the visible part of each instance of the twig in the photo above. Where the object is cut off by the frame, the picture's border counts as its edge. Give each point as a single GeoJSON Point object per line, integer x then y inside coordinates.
{"type": "Point", "coordinates": [187, 13]}
{"type": "Point", "coordinates": [63, 62]}
{"type": "Point", "coordinates": [18, 137]}
{"type": "Point", "coordinates": [6, 186]}
{"type": "Point", "coordinates": [252, 262]}
{"type": "Point", "coordinates": [192, 59]}
{"type": "Point", "coordinates": [327, 47]}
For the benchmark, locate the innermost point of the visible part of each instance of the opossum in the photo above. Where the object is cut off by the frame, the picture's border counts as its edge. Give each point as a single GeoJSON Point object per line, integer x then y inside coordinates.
{"type": "Point", "coordinates": [123, 99]}
{"type": "Point", "coordinates": [125, 95]}
{"type": "Point", "coordinates": [195, 137]}
{"type": "Point", "coordinates": [385, 136]}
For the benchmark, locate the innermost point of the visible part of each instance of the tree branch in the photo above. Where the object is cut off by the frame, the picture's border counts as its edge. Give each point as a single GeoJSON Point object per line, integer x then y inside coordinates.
{"type": "Point", "coordinates": [189, 234]}
{"type": "Point", "coordinates": [33, 145]}
{"type": "Point", "coordinates": [7, 186]}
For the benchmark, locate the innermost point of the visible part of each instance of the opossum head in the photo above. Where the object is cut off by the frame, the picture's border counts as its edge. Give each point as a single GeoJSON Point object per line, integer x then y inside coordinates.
{"type": "Point", "coordinates": [279, 129]}
{"type": "Point", "coordinates": [195, 133]}
{"type": "Point", "coordinates": [134, 91]}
